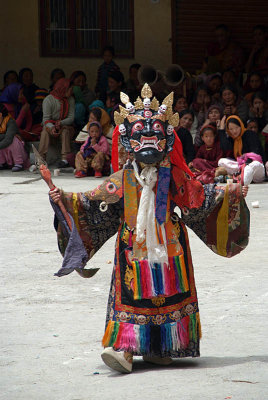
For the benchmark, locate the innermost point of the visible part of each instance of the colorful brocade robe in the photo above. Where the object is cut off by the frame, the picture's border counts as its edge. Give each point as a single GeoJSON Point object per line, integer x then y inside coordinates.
{"type": "Point", "coordinates": [153, 308]}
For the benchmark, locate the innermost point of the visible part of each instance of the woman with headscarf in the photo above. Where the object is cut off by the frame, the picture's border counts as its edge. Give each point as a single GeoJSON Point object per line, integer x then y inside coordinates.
{"type": "Point", "coordinates": [12, 152]}
{"type": "Point", "coordinates": [58, 117]}
{"type": "Point", "coordinates": [17, 105]}
{"type": "Point", "coordinates": [245, 151]}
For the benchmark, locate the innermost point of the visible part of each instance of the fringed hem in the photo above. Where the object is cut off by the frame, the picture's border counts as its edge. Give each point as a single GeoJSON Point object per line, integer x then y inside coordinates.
{"type": "Point", "coordinates": [153, 279]}
{"type": "Point", "coordinates": [163, 339]}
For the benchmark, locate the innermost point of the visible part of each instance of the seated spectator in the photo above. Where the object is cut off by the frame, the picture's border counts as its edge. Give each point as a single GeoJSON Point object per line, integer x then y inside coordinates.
{"type": "Point", "coordinates": [183, 132]}
{"type": "Point", "coordinates": [200, 105]}
{"type": "Point", "coordinates": [55, 75]}
{"type": "Point", "coordinates": [232, 103]}
{"type": "Point", "coordinates": [213, 116]}
{"type": "Point", "coordinates": [228, 53]}
{"type": "Point", "coordinates": [37, 114]}
{"type": "Point", "coordinates": [214, 83]}
{"type": "Point", "coordinates": [207, 157]}
{"type": "Point", "coordinates": [255, 83]}
{"type": "Point", "coordinates": [12, 152]}
{"type": "Point", "coordinates": [104, 69]}
{"type": "Point", "coordinates": [80, 108]}
{"type": "Point", "coordinates": [94, 155]}
{"type": "Point", "coordinates": [113, 99]}
{"type": "Point", "coordinates": [17, 106]}
{"type": "Point", "coordinates": [253, 125]}
{"type": "Point", "coordinates": [116, 82]}
{"type": "Point", "coordinates": [9, 77]}
{"type": "Point", "coordinates": [78, 78]}
{"type": "Point", "coordinates": [258, 109]}
{"type": "Point", "coordinates": [180, 104]}
{"type": "Point", "coordinates": [245, 150]}
{"type": "Point", "coordinates": [133, 84]}
{"type": "Point", "coordinates": [29, 88]}
{"type": "Point", "coordinates": [96, 113]}
{"type": "Point", "coordinates": [58, 118]}
{"type": "Point", "coordinates": [265, 135]}
{"type": "Point", "coordinates": [258, 58]}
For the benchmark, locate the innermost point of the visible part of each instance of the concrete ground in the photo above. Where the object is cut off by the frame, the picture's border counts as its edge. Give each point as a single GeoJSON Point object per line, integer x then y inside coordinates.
{"type": "Point", "coordinates": [51, 328]}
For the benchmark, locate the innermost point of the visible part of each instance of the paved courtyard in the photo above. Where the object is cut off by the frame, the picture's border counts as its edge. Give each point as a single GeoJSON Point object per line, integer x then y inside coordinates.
{"type": "Point", "coordinates": [51, 328]}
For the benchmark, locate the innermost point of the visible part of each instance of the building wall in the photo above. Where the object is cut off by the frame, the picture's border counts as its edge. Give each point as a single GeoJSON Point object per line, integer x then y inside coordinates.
{"type": "Point", "coordinates": [20, 25]}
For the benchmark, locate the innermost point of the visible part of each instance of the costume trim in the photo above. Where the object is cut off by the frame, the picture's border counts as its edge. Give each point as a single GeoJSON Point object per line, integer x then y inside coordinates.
{"type": "Point", "coordinates": [138, 339]}
{"type": "Point", "coordinates": [154, 279]}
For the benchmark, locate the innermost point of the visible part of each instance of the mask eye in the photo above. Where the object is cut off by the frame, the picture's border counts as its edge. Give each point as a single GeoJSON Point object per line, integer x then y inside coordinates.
{"type": "Point", "coordinates": [138, 126]}
{"type": "Point", "coordinates": [157, 127]}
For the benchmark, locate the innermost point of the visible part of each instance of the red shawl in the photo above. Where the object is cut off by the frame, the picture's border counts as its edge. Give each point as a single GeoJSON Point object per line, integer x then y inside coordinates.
{"type": "Point", "coordinates": [59, 92]}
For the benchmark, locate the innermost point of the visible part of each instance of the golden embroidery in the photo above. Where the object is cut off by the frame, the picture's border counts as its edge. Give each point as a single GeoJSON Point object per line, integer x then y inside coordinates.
{"type": "Point", "coordinates": [158, 301]}
{"type": "Point", "coordinates": [129, 276]}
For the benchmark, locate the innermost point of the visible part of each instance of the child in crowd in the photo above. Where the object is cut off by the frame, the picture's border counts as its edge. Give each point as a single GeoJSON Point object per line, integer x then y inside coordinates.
{"type": "Point", "coordinates": [55, 75]}
{"type": "Point", "coordinates": [214, 115]}
{"type": "Point", "coordinates": [208, 155]}
{"type": "Point", "coordinates": [104, 69]}
{"type": "Point", "coordinates": [180, 104]}
{"type": "Point", "coordinates": [29, 88]}
{"type": "Point", "coordinates": [247, 155]}
{"type": "Point", "coordinates": [12, 152]}
{"type": "Point", "coordinates": [58, 118]}
{"type": "Point", "coordinates": [94, 155]}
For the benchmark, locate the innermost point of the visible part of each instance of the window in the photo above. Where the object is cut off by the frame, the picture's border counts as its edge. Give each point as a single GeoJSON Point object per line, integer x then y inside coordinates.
{"type": "Point", "coordinates": [77, 28]}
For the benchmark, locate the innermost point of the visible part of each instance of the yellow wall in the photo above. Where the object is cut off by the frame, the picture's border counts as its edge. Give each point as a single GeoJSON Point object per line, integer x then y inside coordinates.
{"type": "Point", "coordinates": [19, 46]}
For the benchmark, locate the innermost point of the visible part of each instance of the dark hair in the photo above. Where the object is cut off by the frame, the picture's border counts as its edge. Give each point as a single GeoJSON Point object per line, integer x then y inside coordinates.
{"type": "Point", "coordinates": [94, 124]}
{"type": "Point", "coordinates": [178, 97]}
{"type": "Point", "coordinates": [200, 87]}
{"type": "Point", "coordinates": [136, 66]}
{"type": "Point", "coordinates": [229, 87]}
{"type": "Point", "coordinates": [184, 112]}
{"type": "Point", "coordinates": [9, 72]}
{"type": "Point", "coordinates": [253, 120]}
{"type": "Point", "coordinates": [117, 76]}
{"type": "Point", "coordinates": [258, 95]}
{"type": "Point", "coordinates": [223, 27]}
{"type": "Point", "coordinates": [96, 112]}
{"type": "Point", "coordinates": [233, 121]}
{"type": "Point", "coordinates": [56, 71]}
{"type": "Point", "coordinates": [215, 76]}
{"type": "Point", "coordinates": [21, 73]}
{"type": "Point", "coordinates": [211, 127]}
{"type": "Point", "coordinates": [75, 75]}
{"type": "Point", "coordinates": [115, 97]}
{"type": "Point", "coordinates": [108, 48]}
{"type": "Point", "coordinates": [262, 28]}
{"type": "Point", "coordinates": [255, 73]}
{"type": "Point", "coordinates": [230, 69]}
{"type": "Point", "coordinates": [3, 110]}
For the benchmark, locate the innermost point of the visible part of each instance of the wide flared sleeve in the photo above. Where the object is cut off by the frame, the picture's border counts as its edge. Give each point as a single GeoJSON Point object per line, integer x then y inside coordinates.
{"type": "Point", "coordinates": [222, 222]}
{"type": "Point", "coordinates": [96, 216]}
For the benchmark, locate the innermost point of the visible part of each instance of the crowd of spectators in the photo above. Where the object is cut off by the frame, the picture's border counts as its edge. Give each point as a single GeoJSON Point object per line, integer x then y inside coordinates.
{"type": "Point", "coordinates": [222, 107]}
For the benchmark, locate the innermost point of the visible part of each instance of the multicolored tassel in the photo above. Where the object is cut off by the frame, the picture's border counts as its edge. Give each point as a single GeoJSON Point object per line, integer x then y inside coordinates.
{"type": "Point", "coordinates": [138, 338]}
{"type": "Point", "coordinates": [154, 279]}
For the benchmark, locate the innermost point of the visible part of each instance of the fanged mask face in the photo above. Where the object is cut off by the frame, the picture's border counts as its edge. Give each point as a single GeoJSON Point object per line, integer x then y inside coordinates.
{"type": "Point", "coordinates": [147, 139]}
